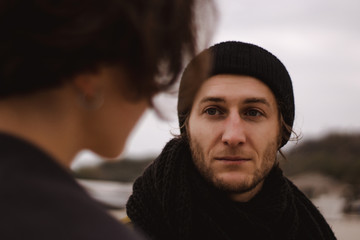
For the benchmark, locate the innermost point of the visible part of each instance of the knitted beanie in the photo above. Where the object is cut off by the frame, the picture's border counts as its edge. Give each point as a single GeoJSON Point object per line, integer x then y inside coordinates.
{"type": "Point", "coordinates": [243, 59]}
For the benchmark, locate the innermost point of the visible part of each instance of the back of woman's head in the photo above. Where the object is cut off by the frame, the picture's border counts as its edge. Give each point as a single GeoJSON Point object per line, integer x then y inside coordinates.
{"type": "Point", "coordinates": [47, 42]}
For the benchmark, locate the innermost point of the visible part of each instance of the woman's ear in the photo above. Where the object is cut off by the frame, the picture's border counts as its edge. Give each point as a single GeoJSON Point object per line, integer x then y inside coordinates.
{"type": "Point", "coordinates": [89, 87]}
{"type": "Point", "coordinates": [88, 83]}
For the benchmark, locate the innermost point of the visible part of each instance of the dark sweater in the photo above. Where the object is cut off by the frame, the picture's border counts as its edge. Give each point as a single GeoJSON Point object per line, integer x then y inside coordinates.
{"type": "Point", "coordinates": [40, 200]}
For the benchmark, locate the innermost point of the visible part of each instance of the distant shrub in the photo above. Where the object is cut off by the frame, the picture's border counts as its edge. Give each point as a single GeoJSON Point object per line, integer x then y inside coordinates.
{"type": "Point", "coordinates": [336, 155]}
{"type": "Point", "coordinates": [126, 170]}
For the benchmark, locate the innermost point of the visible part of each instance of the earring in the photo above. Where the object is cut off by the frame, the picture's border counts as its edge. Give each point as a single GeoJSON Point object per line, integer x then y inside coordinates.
{"type": "Point", "coordinates": [91, 102]}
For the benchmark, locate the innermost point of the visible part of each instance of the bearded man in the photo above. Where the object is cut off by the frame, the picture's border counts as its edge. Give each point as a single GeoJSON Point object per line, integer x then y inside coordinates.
{"type": "Point", "coordinates": [221, 178]}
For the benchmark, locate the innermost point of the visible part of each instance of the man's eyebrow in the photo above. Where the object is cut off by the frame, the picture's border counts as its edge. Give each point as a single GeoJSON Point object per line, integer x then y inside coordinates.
{"type": "Point", "coordinates": [257, 100]}
{"type": "Point", "coordinates": [212, 99]}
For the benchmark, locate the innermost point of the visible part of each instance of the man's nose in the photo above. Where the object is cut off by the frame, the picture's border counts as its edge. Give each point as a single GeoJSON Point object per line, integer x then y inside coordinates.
{"type": "Point", "coordinates": [234, 131]}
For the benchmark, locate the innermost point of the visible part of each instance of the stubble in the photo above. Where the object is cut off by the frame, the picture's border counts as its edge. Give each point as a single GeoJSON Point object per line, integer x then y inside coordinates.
{"type": "Point", "coordinates": [247, 184]}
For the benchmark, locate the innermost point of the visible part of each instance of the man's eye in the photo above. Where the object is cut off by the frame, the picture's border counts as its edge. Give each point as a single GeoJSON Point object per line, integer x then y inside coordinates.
{"type": "Point", "coordinates": [253, 113]}
{"type": "Point", "coordinates": [212, 111]}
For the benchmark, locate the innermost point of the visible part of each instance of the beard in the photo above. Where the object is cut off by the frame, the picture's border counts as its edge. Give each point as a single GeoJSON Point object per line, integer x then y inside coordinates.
{"type": "Point", "coordinates": [248, 183]}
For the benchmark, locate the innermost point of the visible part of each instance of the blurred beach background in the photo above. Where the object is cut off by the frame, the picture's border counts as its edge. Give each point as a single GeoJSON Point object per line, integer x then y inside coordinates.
{"type": "Point", "coordinates": [319, 43]}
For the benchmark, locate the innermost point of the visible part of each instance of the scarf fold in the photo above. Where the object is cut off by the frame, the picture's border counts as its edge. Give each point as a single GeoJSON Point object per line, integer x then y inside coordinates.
{"type": "Point", "coordinates": [172, 201]}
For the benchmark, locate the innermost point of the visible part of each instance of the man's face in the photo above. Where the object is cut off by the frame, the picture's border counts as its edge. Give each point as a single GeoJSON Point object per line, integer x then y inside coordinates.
{"type": "Point", "coordinates": [234, 133]}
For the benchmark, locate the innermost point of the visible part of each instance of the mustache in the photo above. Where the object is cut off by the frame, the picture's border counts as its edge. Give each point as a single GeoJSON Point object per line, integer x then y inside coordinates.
{"type": "Point", "coordinates": [233, 152]}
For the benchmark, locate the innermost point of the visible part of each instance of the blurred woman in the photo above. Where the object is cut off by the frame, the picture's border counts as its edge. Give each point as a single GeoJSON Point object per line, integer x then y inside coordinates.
{"type": "Point", "coordinates": [77, 75]}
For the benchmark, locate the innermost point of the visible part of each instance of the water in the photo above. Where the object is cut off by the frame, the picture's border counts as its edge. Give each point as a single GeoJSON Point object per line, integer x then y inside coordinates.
{"type": "Point", "coordinates": [115, 195]}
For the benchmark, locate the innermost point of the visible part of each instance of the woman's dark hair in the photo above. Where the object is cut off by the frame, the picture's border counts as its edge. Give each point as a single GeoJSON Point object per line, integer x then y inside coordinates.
{"type": "Point", "coordinates": [46, 42]}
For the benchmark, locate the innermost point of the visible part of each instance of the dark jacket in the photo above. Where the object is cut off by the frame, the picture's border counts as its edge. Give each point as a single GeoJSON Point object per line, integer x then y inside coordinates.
{"type": "Point", "coordinates": [40, 200]}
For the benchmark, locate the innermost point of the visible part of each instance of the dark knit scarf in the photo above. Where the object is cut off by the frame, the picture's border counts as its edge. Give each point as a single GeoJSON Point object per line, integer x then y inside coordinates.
{"type": "Point", "coordinates": [172, 201]}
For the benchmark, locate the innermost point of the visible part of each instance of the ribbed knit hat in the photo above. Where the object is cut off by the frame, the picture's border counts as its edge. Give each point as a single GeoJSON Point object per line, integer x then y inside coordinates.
{"type": "Point", "coordinates": [243, 59]}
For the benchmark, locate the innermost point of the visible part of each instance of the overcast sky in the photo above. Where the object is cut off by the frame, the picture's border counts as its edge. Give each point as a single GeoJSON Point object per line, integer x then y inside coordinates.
{"type": "Point", "coordinates": [319, 43]}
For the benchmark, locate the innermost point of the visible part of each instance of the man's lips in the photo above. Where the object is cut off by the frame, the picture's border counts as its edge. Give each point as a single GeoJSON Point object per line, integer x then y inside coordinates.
{"type": "Point", "coordinates": [232, 158]}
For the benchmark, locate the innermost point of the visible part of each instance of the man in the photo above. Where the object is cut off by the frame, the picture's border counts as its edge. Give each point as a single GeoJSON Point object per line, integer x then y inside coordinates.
{"type": "Point", "coordinates": [221, 178]}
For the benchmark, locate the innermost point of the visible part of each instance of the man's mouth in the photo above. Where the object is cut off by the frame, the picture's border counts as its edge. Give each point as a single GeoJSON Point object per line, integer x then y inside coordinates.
{"type": "Point", "coordinates": [232, 158]}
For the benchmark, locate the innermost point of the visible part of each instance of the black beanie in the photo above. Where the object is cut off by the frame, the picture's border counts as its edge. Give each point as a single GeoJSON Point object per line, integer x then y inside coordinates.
{"type": "Point", "coordinates": [242, 59]}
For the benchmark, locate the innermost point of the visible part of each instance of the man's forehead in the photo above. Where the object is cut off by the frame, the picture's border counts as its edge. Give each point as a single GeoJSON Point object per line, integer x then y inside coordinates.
{"type": "Point", "coordinates": [246, 100]}
{"type": "Point", "coordinates": [223, 88]}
